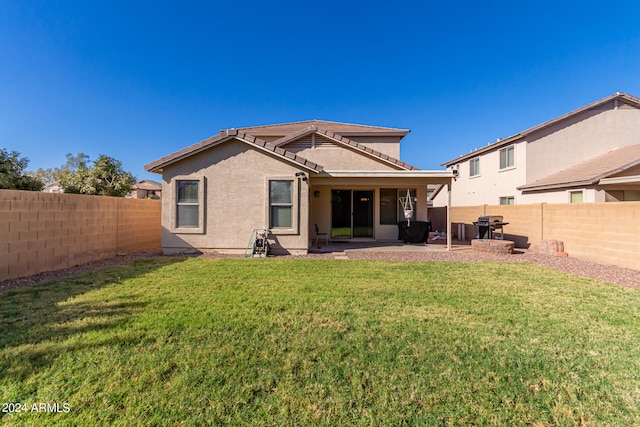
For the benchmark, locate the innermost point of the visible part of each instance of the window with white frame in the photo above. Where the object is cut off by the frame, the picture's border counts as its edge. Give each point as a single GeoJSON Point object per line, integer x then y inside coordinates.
{"type": "Point", "coordinates": [280, 204]}
{"type": "Point", "coordinates": [576, 196]}
{"type": "Point", "coordinates": [507, 157]}
{"type": "Point", "coordinates": [474, 167]}
{"type": "Point", "coordinates": [508, 200]}
{"type": "Point", "coordinates": [188, 203]}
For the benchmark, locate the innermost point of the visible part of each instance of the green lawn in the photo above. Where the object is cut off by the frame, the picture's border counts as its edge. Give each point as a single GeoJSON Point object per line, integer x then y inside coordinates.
{"type": "Point", "coordinates": [305, 342]}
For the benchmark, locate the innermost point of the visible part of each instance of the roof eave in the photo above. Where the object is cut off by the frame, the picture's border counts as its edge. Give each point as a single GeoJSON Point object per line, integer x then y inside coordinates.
{"type": "Point", "coordinates": [388, 174]}
{"type": "Point", "coordinates": [635, 179]}
{"type": "Point", "coordinates": [273, 129]}
{"type": "Point", "coordinates": [403, 132]}
{"type": "Point", "coordinates": [250, 140]}
{"type": "Point", "coordinates": [203, 145]}
{"type": "Point", "coordinates": [558, 186]}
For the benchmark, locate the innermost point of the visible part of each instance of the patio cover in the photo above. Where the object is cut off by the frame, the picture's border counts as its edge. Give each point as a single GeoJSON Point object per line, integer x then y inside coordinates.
{"type": "Point", "coordinates": [391, 177]}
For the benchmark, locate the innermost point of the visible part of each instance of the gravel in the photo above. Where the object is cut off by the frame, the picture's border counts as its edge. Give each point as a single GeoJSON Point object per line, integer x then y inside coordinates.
{"type": "Point", "coordinates": [592, 270]}
{"type": "Point", "coordinates": [73, 271]}
{"type": "Point", "coordinates": [607, 273]}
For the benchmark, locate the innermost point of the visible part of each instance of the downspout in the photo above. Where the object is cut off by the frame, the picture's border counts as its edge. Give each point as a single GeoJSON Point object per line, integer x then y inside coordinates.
{"type": "Point", "coordinates": [449, 215]}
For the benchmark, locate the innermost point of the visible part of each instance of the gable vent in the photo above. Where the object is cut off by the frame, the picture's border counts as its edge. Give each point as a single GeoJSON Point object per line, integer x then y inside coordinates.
{"type": "Point", "coordinates": [299, 144]}
{"type": "Point", "coordinates": [322, 142]}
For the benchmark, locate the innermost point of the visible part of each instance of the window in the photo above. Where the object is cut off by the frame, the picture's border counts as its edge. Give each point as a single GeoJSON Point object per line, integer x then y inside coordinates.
{"type": "Point", "coordinates": [507, 159]}
{"type": "Point", "coordinates": [508, 200]}
{"type": "Point", "coordinates": [280, 204]}
{"type": "Point", "coordinates": [622, 196]}
{"type": "Point", "coordinates": [575, 197]}
{"type": "Point", "coordinates": [474, 167]}
{"type": "Point", "coordinates": [187, 204]}
{"type": "Point", "coordinates": [391, 210]}
{"type": "Point", "coordinates": [388, 206]}
{"type": "Point", "coordinates": [187, 209]}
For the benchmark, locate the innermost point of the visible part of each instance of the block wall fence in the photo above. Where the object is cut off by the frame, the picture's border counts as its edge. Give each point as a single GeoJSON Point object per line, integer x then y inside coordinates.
{"type": "Point", "coordinates": [44, 232]}
{"type": "Point", "coordinates": [607, 233]}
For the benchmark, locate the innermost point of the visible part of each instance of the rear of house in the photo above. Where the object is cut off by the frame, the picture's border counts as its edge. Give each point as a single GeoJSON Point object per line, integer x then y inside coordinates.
{"type": "Point", "coordinates": [345, 179]}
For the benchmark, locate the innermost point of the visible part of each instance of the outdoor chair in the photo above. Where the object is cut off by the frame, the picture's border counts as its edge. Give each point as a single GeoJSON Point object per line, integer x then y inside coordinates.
{"type": "Point", "coordinates": [325, 236]}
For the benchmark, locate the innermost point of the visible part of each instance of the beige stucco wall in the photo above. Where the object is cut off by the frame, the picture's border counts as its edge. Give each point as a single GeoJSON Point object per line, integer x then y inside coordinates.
{"type": "Point", "coordinates": [547, 151]}
{"type": "Point", "coordinates": [581, 138]}
{"type": "Point", "coordinates": [336, 157]}
{"type": "Point", "coordinates": [236, 199]}
{"type": "Point", "coordinates": [491, 184]}
{"type": "Point", "coordinates": [389, 145]}
{"type": "Point", "coordinates": [589, 195]}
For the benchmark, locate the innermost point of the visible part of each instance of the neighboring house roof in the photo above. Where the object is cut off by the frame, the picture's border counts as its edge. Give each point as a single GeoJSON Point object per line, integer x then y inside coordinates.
{"type": "Point", "coordinates": [618, 96]}
{"type": "Point", "coordinates": [147, 184]}
{"type": "Point", "coordinates": [589, 172]}
{"type": "Point", "coordinates": [293, 130]}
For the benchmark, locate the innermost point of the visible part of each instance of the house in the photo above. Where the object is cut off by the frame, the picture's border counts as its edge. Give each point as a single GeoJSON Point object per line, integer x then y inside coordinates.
{"type": "Point", "coordinates": [53, 187]}
{"type": "Point", "coordinates": [346, 179]}
{"type": "Point", "coordinates": [146, 189]}
{"type": "Point", "coordinates": [588, 155]}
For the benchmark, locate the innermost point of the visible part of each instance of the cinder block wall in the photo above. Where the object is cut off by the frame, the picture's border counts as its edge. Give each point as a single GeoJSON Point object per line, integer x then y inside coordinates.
{"type": "Point", "coordinates": [466, 215]}
{"type": "Point", "coordinates": [44, 232]}
{"type": "Point", "coordinates": [525, 222]}
{"type": "Point", "coordinates": [608, 233]}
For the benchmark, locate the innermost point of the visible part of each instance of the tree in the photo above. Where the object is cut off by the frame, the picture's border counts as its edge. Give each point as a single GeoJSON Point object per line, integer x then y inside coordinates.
{"type": "Point", "coordinates": [109, 179]}
{"type": "Point", "coordinates": [45, 175]}
{"type": "Point", "coordinates": [13, 175]}
{"type": "Point", "coordinates": [73, 175]}
{"type": "Point", "coordinates": [104, 178]}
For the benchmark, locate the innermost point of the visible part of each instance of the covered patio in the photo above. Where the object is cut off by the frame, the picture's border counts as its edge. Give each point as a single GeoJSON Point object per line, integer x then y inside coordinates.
{"type": "Point", "coordinates": [362, 209]}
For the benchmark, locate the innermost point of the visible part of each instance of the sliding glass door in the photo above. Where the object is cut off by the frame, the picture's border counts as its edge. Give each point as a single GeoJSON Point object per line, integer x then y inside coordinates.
{"type": "Point", "coordinates": [351, 214]}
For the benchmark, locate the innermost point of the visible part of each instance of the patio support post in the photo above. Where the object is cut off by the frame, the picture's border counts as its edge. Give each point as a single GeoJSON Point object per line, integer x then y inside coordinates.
{"type": "Point", "coordinates": [449, 215]}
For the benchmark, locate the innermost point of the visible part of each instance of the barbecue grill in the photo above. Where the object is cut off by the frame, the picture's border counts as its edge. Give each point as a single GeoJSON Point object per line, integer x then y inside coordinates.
{"type": "Point", "coordinates": [488, 225]}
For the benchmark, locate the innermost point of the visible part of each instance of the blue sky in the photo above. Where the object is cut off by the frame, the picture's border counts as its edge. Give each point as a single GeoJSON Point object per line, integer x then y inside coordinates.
{"type": "Point", "coordinates": [139, 80]}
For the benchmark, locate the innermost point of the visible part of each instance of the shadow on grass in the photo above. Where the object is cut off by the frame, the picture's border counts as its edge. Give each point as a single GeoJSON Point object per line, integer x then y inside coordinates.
{"type": "Point", "coordinates": [41, 321]}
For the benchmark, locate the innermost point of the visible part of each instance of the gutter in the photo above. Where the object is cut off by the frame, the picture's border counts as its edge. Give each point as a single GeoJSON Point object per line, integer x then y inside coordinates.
{"type": "Point", "coordinates": [557, 186]}
{"type": "Point", "coordinates": [620, 180]}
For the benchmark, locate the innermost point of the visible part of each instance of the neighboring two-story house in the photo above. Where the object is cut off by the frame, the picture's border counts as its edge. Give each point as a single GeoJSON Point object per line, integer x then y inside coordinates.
{"type": "Point", "coordinates": [345, 179]}
{"type": "Point", "coordinates": [591, 154]}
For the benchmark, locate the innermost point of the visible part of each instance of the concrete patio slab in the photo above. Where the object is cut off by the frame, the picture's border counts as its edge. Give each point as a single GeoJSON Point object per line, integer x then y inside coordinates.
{"type": "Point", "coordinates": [339, 248]}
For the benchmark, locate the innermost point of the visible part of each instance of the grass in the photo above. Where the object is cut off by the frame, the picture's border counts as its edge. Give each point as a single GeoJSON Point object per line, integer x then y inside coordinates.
{"type": "Point", "coordinates": [315, 342]}
{"type": "Point", "coordinates": [345, 232]}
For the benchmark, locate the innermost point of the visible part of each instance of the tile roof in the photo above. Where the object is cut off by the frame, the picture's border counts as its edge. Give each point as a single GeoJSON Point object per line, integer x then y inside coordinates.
{"type": "Point", "coordinates": [147, 184]}
{"type": "Point", "coordinates": [225, 136]}
{"type": "Point", "coordinates": [290, 131]}
{"type": "Point", "coordinates": [621, 96]}
{"type": "Point", "coordinates": [589, 172]}
{"type": "Point", "coordinates": [344, 141]}
{"type": "Point", "coordinates": [284, 129]}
